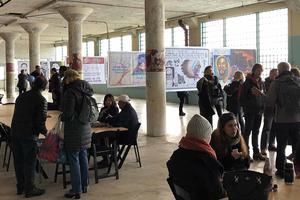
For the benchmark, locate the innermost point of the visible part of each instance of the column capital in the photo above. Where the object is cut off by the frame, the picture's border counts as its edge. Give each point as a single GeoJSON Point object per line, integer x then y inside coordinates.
{"type": "Point", "coordinates": [33, 27]}
{"type": "Point", "coordinates": [7, 36]}
{"type": "Point", "coordinates": [73, 13]}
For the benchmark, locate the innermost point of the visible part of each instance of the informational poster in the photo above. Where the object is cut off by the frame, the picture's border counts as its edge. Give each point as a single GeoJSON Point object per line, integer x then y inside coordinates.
{"type": "Point", "coordinates": [227, 61]}
{"type": "Point", "coordinates": [94, 70]}
{"type": "Point", "coordinates": [45, 68]}
{"type": "Point", "coordinates": [184, 67]}
{"type": "Point", "coordinates": [22, 64]}
{"type": "Point", "coordinates": [126, 69]}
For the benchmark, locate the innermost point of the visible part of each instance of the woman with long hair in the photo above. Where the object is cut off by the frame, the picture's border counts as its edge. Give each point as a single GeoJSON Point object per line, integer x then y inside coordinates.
{"type": "Point", "coordinates": [229, 144]}
{"type": "Point", "coordinates": [109, 109]}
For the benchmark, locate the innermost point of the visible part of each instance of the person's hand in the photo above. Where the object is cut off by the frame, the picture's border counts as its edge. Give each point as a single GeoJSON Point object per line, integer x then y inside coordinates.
{"type": "Point", "coordinates": [236, 154]}
{"type": "Point", "coordinates": [256, 92]}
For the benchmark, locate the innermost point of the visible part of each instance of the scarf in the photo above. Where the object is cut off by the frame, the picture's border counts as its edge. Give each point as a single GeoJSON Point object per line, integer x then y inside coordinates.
{"type": "Point", "coordinates": [192, 143]}
{"type": "Point", "coordinates": [233, 140]}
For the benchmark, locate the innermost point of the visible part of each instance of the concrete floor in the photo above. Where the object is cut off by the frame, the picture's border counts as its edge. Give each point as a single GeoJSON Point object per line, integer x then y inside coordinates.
{"type": "Point", "coordinates": [146, 183]}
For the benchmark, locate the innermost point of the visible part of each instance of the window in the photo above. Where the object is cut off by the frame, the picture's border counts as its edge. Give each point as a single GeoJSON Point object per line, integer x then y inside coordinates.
{"type": "Point", "coordinates": [104, 47]}
{"type": "Point", "coordinates": [64, 52]}
{"type": "Point", "coordinates": [126, 43]}
{"type": "Point", "coordinates": [178, 37]}
{"type": "Point", "coordinates": [142, 42]}
{"type": "Point", "coordinates": [273, 41]}
{"type": "Point", "coordinates": [90, 48]}
{"type": "Point", "coordinates": [59, 53]}
{"type": "Point", "coordinates": [115, 44]}
{"type": "Point", "coordinates": [212, 33]}
{"type": "Point", "coordinates": [168, 37]}
{"type": "Point", "coordinates": [2, 73]}
{"type": "Point", "coordinates": [241, 32]}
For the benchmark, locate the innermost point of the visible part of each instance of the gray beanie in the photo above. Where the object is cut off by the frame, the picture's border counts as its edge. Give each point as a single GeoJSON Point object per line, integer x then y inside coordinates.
{"type": "Point", "coordinates": [199, 127]}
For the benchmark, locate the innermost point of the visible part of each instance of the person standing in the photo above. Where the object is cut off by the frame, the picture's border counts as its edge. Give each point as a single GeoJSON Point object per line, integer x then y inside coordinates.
{"type": "Point", "coordinates": [204, 102]}
{"type": "Point", "coordinates": [55, 89]}
{"type": "Point", "coordinates": [253, 104]}
{"type": "Point", "coordinates": [28, 122]}
{"type": "Point", "coordinates": [268, 133]}
{"type": "Point", "coordinates": [284, 96]}
{"type": "Point", "coordinates": [37, 72]}
{"type": "Point", "coordinates": [77, 134]}
{"type": "Point", "coordinates": [22, 81]}
{"type": "Point", "coordinates": [182, 95]}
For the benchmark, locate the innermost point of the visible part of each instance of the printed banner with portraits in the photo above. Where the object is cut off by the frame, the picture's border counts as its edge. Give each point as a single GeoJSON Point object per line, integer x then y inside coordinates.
{"type": "Point", "coordinates": [94, 70]}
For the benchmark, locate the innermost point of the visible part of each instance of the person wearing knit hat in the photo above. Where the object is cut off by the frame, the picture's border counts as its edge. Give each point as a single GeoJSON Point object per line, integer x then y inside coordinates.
{"type": "Point", "coordinates": [194, 166]}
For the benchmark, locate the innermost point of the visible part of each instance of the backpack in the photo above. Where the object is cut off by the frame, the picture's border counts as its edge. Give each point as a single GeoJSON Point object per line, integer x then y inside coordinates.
{"type": "Point", "coordinates": [89, 109]}
{"type": "Point", "coordinates": [289, 95]}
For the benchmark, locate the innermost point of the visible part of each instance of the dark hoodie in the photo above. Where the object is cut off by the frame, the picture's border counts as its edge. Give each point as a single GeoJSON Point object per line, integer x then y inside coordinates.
{"type": "Point", "coordinates": [252, 104]}
{"type": "Point", "coordinates": [77, 135]}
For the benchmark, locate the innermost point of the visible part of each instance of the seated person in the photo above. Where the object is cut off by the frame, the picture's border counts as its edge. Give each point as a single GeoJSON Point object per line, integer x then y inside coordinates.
{"type": "Point", "coordinates": [110, 109]}
{"type": "Point", "coordinates": [126, 118]}
{"type": "Point", "coordinates": [194, 165]}
{"type": "Point", "coordinates": [229, 144]}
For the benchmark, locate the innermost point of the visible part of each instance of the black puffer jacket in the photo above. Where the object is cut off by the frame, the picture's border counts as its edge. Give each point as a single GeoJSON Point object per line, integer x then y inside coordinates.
{"type": "Point", "coordinates": [29, 116]}
{"type": "Point", "coordinates": [252, 104]}
{"type": "Point", "coordinates": [77, 135]}
{"type": "Point", "coordinates": [232, 90]}
{"type": "Point", "coordinates": [198, 173]}
{"type": "Point", "coordinates": [22, 81]}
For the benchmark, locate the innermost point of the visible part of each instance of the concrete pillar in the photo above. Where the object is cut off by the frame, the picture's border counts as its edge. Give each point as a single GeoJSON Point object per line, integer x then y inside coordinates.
{"type": "Point", "coordinates": [155, 75]}
{"type": "Point", "coordinates": [75, 16]}
{"type": "Point", "coordinates": [194, 32]}
{"type": "Point", "coordinates": [135, 41]}
{"type": "Point", "coordinates": [10, 39]}
{"type": "Point", "coordinates": [34, 30]}
{"type": "Point", "coordinates": [294, 37]}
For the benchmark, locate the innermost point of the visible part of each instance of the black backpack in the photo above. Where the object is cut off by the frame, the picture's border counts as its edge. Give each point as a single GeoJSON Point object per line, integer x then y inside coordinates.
{"type": "Point", "coordinates": [89, 109]}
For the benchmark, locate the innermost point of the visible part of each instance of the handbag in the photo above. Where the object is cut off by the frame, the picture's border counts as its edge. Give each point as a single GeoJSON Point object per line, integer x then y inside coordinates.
{"type": "Point", "coordinates": [247, 185]}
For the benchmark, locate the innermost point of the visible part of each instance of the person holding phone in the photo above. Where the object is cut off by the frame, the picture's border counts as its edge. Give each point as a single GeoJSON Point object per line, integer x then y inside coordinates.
{"type": "Point", "coordinates": [229, 144]}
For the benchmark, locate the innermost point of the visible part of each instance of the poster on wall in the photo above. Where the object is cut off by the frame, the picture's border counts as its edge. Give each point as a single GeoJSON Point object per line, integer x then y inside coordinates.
{"type": "Point", "coordinates": [184, 67]}
{"type": "Point", "coordinates": [45, 68]}
{"type": "Point", "coordinates": [227, 61]}
{"type": "Point", "coordinates": [126, 69]}
{"type": "Point", "coordinates": [94, 70]}
{"type": "Point", "coordinates": [22, 64]}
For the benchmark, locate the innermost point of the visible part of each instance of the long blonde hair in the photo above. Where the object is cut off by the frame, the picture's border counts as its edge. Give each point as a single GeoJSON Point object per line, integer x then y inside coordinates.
{"type": "Point", "coordinates": [71, 75]}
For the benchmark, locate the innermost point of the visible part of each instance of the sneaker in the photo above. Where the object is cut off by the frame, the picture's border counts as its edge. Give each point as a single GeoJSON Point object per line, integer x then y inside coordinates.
{"type": "Point", "coordinates": [182, 114]}
{"type": "Point", "coordinates": [34, 192]}
{"type": "Point", "coordinates": [85, 189]}
{"type": "Point", "coordinates": [279, 174]}
{"type": "Point", "coordinates": [272, 148]}
{"type": "Point", "coordinates": [71, 195]}
{"type": "Point", "coordinates": [258, 157]}
{"type": "Point", "coordinates": [263, 152]}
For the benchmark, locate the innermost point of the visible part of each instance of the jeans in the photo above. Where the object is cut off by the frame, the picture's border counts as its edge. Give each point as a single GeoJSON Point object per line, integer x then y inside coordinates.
{"type": "Point", "coordinates": [25, 159]}
{"type": "Point", "coordinates": [239, 117]}
{"type": "Point", "coordinates": [79, 170]}
{"type": "Point", "coordinates": [283, 132]}
{"type": "Point", "coordinates": [252, 123]}
{"type": "Point", "coordinates": [268, 133]}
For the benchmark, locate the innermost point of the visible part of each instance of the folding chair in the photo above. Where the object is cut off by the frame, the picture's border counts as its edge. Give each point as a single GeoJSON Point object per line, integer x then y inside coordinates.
{"type": "Point", "coordinates": [104, 144]}
{"type": "Point", "coordinates": [126, 146]}
{"type": "Point", "coordinates": [6, 136]}
{"type": "Point", "coordinates": [178, 192]}
{"type": "Point", "coordinates": [63, 172]}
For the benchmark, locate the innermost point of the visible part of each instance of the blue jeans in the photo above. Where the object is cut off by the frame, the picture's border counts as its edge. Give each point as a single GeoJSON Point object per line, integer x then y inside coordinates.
{"type": "Point", "coordinates": [79, 170]}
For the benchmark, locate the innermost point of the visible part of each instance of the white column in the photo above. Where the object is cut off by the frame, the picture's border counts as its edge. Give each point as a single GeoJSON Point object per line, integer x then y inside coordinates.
{"type": "Point", "coordinates": [34, 30]}
{"type": "Point", "coordinates": [155, 75]}
{"type": "Point", "coordinates": [10, 39]}
{"type": "Point", "coordinates": [75, 16]}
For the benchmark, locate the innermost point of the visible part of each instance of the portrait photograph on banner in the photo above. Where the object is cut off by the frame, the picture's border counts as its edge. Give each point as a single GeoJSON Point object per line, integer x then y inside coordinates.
{"type": "Point", "coordinates": [55, 64]}
{"type": "Point", "coordinates": [184, 67]}
{"type": "Point", "coordinates": [126, 69]}
{"type": "Point", "coordinates": [227, 61]}
{"type": "Point", "coordinates": [22, 64]}
{"type": "Point", "coordinates": [45, 67]}
{"type": "Point", "coordinates": [94, 70]}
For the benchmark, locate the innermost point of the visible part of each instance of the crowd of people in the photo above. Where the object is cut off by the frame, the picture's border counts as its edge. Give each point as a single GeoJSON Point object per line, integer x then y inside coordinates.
{"type": "Point", "coordinates": [203, 155]}
{"type": "Point", "coordinates": [29, 119]}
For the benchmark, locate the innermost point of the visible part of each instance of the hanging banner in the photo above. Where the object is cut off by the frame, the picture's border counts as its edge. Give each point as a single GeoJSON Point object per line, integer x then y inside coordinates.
{"type": "Point", "coordinates": [227, 61]}
{"type": "Point", "coordinates": [184, 67]}
{"type": "Point", "coordinates": [94, 70]}
{"type": "Point", "coordinates": [22, 64]}
{"type": "Point", "coordinates": [126, 69]}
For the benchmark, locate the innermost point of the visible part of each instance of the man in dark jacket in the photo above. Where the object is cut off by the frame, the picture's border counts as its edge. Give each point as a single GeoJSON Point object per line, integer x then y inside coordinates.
{"type": "Point", "coordinates": [37, 72]}
{"type": "Point", "coordinates": [194, 165]}
{"type": "Point", "coordinates": [28, 122]}
{"type": "Point", "coordinates": [22, 82]}
{"type": "Point", "coordinates": [126, 118]}
{"type": "Point", "coordinates": [55, 89]}
{"type": "Point", "coordinates": [284, 96]}
{"type": "Point", "coordinates": [253, 104]}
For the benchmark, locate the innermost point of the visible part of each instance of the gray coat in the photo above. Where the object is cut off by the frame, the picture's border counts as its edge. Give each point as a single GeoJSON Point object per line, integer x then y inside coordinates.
{"type": "Point", "coordinates": [277, 92]}
{"type": "Point", "coordinates": [77, 135]}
